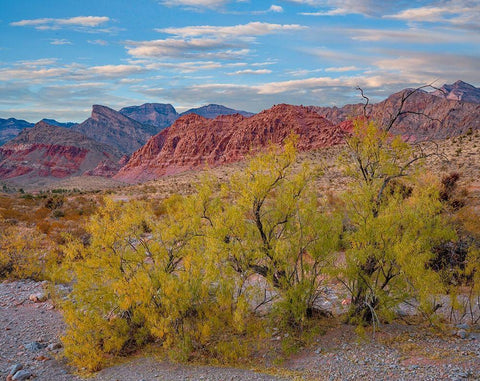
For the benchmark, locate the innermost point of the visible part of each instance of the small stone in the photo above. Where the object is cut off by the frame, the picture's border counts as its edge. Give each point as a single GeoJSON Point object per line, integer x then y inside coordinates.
{"type": "Point", "coordinates": [463, 326]}
{"type": "Point", "coordinates": [34, 346]}
{"type": "Point", "coordinates": [14, 369]}
{"type": "Point", "coordinates": [22, 375]}
{"type": "Point", "coordinates": [38, 297]}
{"type": "Point", "coordinates": [53, 346]}
{"type": "Point", "coordinates": [461, 333]}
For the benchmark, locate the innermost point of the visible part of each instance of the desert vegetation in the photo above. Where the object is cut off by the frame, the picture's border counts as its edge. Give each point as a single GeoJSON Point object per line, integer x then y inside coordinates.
{"type": "Point", "coordinates": [208, 274]}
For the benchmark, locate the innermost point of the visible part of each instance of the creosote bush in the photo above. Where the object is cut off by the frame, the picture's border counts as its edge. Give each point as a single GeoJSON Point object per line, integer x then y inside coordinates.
{"type": "Point", "coordinates": [204, 275]}
{"type": "Point", "coordinates": [395, 220]}
{"type": "Point", "coordinates": [24, 252]}
{"type": "Point", "coordinates": [191, 276]}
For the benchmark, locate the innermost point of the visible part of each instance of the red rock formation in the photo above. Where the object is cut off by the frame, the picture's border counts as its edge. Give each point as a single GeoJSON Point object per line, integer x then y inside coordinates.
{"type": "Point", "coordinates": [193, 141]}
{"type": "Point", "coordinates": [46, 151]}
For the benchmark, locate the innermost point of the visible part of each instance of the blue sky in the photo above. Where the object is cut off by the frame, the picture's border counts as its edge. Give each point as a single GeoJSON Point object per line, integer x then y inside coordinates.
{"type": "Point", "coordinates": [58, 57]}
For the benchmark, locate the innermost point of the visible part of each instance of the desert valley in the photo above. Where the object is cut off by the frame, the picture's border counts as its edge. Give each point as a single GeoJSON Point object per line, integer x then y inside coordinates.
{"type": "Point", "coordinates": [56, 179]}
{"type": "Point", "coordinates": [237, 190]}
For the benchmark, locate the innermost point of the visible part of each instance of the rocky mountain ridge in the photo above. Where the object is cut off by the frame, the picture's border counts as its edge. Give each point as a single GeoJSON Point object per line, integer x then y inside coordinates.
{"type": "Point", "coordinates": [11, 127]}
{"type": "Point", "coordinates": [45, 151]}
{"type": "Point", "coordinates": [155, 114]}
{"type": "Point", "coordinates": [211, 111]}
{"type": "Point", "coordinates": [110, 127]}
{"type": "Point", "coordinates": [194, 141]}
{"type": "Point", "coordinates": [426, 115]}
{"type": "Point", "coordinates": [459, 91]}
{"type": "Point", "coordinates": [53, 122]}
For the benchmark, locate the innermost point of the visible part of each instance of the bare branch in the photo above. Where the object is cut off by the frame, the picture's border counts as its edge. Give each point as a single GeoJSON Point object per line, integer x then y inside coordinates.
{"type": "Point", "coordinates": [400, 111]}
{"type": "Point", "coordinates": [367, 101]}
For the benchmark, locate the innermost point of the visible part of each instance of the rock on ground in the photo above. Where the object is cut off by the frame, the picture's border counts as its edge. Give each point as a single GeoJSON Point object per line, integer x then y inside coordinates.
{"type": "Point", "coordinates": [30, 332]}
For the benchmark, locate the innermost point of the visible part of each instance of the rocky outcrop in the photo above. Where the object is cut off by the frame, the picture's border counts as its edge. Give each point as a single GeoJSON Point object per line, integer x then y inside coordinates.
{"type": "Point", "coordinates": [155, 114]}
{"type": "Point", "coordinates": [46, 151]}
{"type": "Point", "coordinates": [194, 141]}
{"type": "Point", "coordinates": [113, 128]}
{"type": "Point", "coordinates": [459, 91]}
{"type": "Point", "coordinates": [427, 115]}
{"type": "Point", "coordinates": [211, 111]}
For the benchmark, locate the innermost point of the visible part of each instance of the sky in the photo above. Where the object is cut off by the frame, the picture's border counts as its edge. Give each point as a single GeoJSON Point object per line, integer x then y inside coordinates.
{"type": "Point", "coordinates": [58, 57]}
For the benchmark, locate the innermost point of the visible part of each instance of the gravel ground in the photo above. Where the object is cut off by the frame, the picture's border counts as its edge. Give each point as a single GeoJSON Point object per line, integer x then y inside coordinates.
{"type": "Point", "coordinates": [398, 352]}
{"type": "Point", "coordinates": [23, 322]}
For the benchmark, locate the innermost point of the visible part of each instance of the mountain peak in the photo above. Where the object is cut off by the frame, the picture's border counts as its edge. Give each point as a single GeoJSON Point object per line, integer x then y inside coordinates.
{"type": "Point", "coordinates": [111, 127]}
{"type": "Point", "coordinates": [159, 115]}
{"type": "Point", "coordinates": [99, 111]}
{"type": "Point", "coordinates": [459, 91]}
{"type": "Point", "coordinates": [460, 83]}
{"type": "Point", "coordinates": [213, 110]}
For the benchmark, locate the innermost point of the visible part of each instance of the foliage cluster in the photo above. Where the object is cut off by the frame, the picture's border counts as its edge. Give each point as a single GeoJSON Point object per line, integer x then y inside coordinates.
{"type": "Point", "coordinates": [32, 227]}
{"type": "Point", "coordinates": [208, 274]}
{"type": "Point", "coordinates": [190, 274]}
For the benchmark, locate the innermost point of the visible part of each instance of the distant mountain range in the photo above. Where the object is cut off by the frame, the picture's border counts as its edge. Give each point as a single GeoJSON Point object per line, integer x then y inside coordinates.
{"type": "Point", "coordinates": [50, 152]}
{"type": "Point", "coordinates": [53, 122]}
{"type": "Point", "coordinates": [154, 117]}
{"type": "Point", "coordinates": [140, 143]}
{"type": "Point", "coordinates": [11, 127]}
{"type": "Point", "coordinates": [108, 126]}
{"type": "Point", "coordinates": [428, 115]}
{"type": "Point", "coordinates": [212, 111]}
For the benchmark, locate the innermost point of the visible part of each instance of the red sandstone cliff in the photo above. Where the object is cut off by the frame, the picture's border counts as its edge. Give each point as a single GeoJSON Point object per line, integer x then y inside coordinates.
{"type": "Point", "coordinates": [193, 141]}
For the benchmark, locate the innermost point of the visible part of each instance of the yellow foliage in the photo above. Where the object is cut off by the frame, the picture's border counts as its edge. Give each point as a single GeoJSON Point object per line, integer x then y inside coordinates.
{"type": "Point", "coordinates": [23, 252]}
{"type": "Point", "coordinates": [395, 220]}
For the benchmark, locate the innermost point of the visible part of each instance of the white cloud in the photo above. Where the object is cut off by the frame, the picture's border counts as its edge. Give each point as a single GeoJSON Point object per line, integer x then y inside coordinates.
{"type": "Point", "coordinates": [62, 41]}
{"type": "Point", "coordinates": [186, 67]}
{"type": "Point", "coordinates": [345, 7]}
{"type": "Point", "coordinates": [51, 23]}
{"type": "Point", "coordinates": [251, 29]}
{"type": "Point", "coordinates": [206, 41]}
{"type": "Point", "coordinates": [98, 42]}
{"type": "Point", "coordinates": [174, 48]}
{"type": "Point", "coordinates": [275, 8]}
{"type": "Point", "coordinates": [429, 66]}
{"type": "Point", "coordinates": [250, 71]}
{"type": "Point", "coordinates": [195, 4]}
{"type": "Point", "coordinates": [460, 13]}
{"type": "Point", "coordinates": [112, 71]}
{"type": "Point", "coordinates": [413, 35]}
{"type": "Point", "coordinates": [42, 71]}
{"type": "Point", "coordinates": [341, 69]}
{"type": "Point", "coordinates": [303, 72]}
